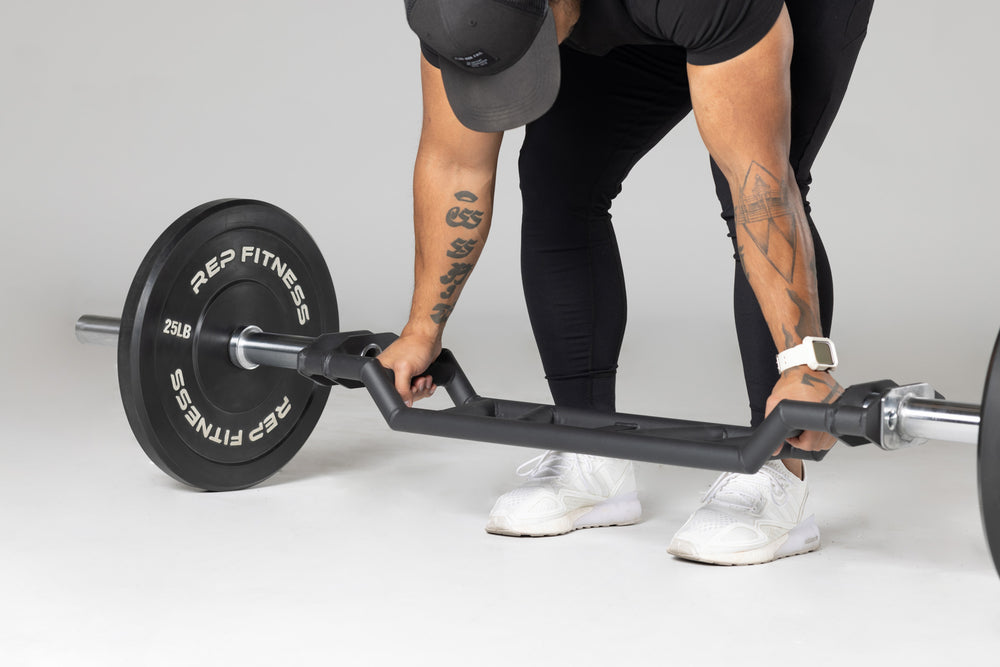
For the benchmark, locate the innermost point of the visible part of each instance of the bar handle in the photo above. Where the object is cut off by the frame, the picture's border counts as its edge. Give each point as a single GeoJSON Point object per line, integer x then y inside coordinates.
{"type": "Point", "coordinates": [444, 371]}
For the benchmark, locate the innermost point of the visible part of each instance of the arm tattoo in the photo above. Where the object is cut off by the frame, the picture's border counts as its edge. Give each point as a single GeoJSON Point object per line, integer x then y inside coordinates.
{"type": "Point", "coordinates": [808, 322]}
{"type": "Point", "coordinates": [461, 248]}
{"type": "Point", "coordinates": [454, 278]}
{"type": "Point", "coordinates": [811, 381]}
{"type": "Point", "coordinates": [469, 218]}
{"type": "Point", "coordinates": [459, 216]}
{"type": "Point", "coordinates": [769, 219]}
{"type": "Point", "coordinates": [789, 339]}
{"type": "Point", "coordinates": [464, 217]}
{"type": "Point", "coordinates": [441, 313]}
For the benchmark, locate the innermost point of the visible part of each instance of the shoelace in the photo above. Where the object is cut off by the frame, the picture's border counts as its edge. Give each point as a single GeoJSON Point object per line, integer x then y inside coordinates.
{"type": "Point", "coordinates": [748, 494]}
{"type": "Point", "coordinates": [551, 464]}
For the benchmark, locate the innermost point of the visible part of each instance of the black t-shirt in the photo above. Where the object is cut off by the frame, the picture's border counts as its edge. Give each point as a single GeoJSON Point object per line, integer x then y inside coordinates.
{"type": "Point", "coordinates": [710, 31]}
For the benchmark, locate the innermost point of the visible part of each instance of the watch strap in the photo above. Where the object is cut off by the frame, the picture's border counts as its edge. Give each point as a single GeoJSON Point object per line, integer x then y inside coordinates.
{"type": "Point", "coordinates": [804, 354]}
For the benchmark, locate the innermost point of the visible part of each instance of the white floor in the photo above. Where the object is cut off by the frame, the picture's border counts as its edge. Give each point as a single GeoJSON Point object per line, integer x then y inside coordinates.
{"type": "Point", "coordinates": [368, 548]}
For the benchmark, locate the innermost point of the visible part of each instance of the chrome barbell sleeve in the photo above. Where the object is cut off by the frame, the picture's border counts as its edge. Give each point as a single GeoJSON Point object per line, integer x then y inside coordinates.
{"type": "Point", "coordinates": [98, 330]}
{"type": "Point", "coordinates": [933, 419]}
{"type": "Point", "coordinates": [250, 347]}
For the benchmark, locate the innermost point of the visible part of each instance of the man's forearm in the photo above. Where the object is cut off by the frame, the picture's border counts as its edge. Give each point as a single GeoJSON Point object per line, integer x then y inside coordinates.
{"type": "Point", "coordinates": [453, 209]}
{"type": "Point", "coordinates": [776, 251]}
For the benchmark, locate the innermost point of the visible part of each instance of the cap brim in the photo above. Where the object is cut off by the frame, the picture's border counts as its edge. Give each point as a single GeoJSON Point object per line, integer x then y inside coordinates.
{"type": "Point", "coordinates": [511, 98]}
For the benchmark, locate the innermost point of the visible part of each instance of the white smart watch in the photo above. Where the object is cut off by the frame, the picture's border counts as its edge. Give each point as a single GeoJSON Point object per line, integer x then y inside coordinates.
{"type": "Point", "coordinates": [818, 354]}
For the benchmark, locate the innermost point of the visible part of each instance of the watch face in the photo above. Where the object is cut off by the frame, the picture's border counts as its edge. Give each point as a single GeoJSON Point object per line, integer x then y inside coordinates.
{"type": "Point", "coordinates": [823, 354]}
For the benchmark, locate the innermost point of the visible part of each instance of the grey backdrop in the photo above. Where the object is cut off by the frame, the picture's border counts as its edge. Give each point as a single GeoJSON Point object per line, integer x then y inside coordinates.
{"type": "Point", "coordinates": [118, 116]}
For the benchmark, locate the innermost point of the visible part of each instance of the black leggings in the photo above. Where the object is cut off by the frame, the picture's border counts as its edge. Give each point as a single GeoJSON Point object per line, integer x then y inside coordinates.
{"type": "Point", "coordinates": [611, 111]}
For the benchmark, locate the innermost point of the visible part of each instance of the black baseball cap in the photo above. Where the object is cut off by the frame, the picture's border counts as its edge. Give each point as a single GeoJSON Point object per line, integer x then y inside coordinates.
{"type": "Point", "coordinates": [499, 59]}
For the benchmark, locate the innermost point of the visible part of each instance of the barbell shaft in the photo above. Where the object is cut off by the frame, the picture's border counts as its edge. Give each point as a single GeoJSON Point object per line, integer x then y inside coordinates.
{"type": "Point", "coordinates": [934, 419]}
{"type": "Point", "coordinates": [919, 418]}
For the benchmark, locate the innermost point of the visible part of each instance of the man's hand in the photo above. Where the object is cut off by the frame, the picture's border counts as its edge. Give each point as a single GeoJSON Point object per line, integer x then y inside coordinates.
{"type": "Point", "coordinates": [801, 384]}
{"type": "Point", "coordinates": [408, 357]}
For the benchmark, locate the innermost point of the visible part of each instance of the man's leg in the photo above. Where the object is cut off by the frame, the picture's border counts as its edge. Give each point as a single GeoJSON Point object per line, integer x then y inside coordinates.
{"type": "Point", "coordinates": [610, 111]}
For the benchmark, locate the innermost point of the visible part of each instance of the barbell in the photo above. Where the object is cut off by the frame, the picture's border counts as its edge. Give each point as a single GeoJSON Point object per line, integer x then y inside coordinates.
{"type": "Point", "coordinates": [229, 343]}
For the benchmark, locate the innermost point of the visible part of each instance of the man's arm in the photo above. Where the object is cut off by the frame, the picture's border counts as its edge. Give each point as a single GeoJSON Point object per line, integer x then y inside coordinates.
{"type": "Point", "coordinates": [453, 182]}
{"type": "Point", "coordinates": [742, 107]}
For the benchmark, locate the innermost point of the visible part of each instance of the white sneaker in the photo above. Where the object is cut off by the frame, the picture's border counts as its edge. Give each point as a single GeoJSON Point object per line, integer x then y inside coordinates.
{"type": "Point", "coordinates": [567, 491]}
{"type": "Point", "coordinates": [749, 519]}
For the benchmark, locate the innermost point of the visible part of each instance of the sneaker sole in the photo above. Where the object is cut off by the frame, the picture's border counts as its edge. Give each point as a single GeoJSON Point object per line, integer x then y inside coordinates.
{"type": "Point", "coordinates": [623, 510]}
{"type": "Point", "coordinates": [801, 539]}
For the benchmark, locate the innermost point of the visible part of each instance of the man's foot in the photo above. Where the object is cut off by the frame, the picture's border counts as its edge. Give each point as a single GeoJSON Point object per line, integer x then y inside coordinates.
{"type": "Point", "coordinates": [749, 519]}
{"type": "Point", "coordinates": [567, 491]}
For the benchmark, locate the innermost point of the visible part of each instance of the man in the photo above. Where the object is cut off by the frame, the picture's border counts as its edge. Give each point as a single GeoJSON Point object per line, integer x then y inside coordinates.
{"type": "Point", "coordinates": [629, 73]}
